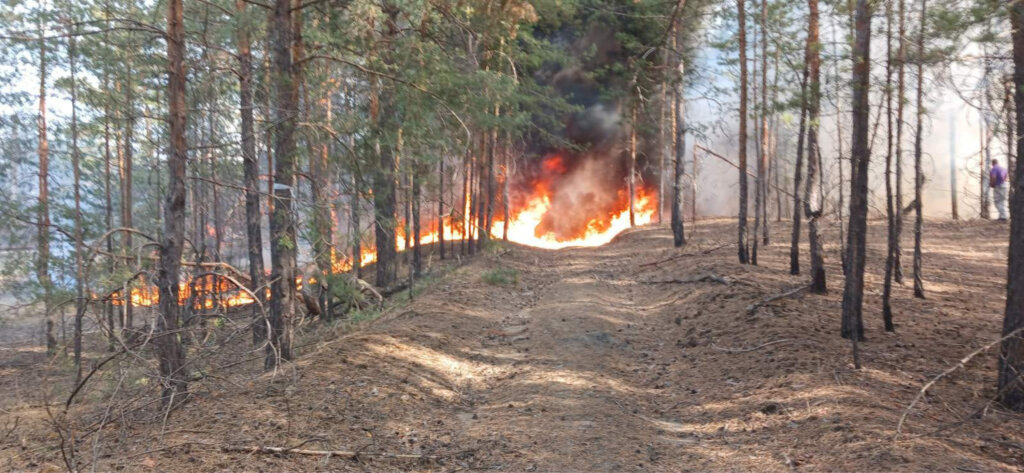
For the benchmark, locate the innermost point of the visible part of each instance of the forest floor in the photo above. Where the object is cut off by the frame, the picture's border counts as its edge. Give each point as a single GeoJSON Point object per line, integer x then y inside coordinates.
{"type": "Point", "coordinates": [587, 360]}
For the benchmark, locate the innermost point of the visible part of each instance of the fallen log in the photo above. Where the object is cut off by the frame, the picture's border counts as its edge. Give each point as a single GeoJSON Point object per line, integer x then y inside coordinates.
{"type": "Point", "coordinates": [703, 278]}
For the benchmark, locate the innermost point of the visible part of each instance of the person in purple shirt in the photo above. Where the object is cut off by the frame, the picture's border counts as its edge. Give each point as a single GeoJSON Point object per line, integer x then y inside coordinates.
{"type": "Point", "coordinates": [997, 178]}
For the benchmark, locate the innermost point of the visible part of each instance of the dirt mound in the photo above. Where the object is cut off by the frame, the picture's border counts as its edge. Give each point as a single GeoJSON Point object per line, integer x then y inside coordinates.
{"type": "Point", "coordinates": [632, 356]}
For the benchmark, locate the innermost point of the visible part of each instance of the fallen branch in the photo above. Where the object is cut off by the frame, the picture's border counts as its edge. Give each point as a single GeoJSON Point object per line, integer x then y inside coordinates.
{"type": "Point", "coordinates": [768, 300]}
{"type": "Point", "coordinates": [960, 364]}
{"type": "Point", "coordinates": [747, 350]}
{"type": "Point", "coordinates": [703, 278]}
{"type": "Point", "coordinates": [333, 453]}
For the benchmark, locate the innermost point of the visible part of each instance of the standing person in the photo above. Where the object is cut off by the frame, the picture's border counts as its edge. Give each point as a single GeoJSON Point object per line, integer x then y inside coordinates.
{"type": "Point", "coordinates": [997, 180]}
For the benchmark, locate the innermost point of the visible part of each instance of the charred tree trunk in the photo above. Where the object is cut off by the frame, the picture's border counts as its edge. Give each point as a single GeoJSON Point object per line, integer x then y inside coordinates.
{"type": "Point", "coordinates": [127, 165]}
{"type": "Point", "coordinates": [1011, 359]}
{"type": "Point", "coordinates": [814, 198]}
{"type": "Point", "coordinates": [632, 167]}
{"type": "Point", "coordinates": [860, 156]}
{"type": "Point", "coordinates": [251, 169]}
{"type": "Point", "coordinates": [282, 221]}
{"type": "Point", "coordinates": [742, 140]}
{"type": "Point", "coordinates": [167, 342]}
{"type": "Point", "coordinates": [918, 171]}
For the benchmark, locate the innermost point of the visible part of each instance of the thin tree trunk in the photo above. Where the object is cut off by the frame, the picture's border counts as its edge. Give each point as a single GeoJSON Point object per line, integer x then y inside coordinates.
{"type": "Point", "coordinates": [860, 157]}
{"type": "Point", "coordinates": [251, 170]}
{"type": "Point", "coordinates": [43, 201]}
{"type": "Point", "coordinates": [167, 340]}
{"type": "Point", "coordinates": [954, 199]}
{"type": "Point", "coordinates": [794, 240]}
{"type": "Point", "coordinates": [632, 167]}
{"type": "Point", "coordinates": [127, 165]}
{"type": "Point", "coordinates": [282, 222]}
{"type": "Point", "coordinates": [80, 298]}
{"type": "Point", "coordinates": [417, 252]}
{"type": "Point", "coordinates": [918, 171]}
{"type": "Point", "coordinates": [742, 140]}
{"type": "Point", "coordinates": [814, 198]}
{"type": "Point", "coordinates": [440, 206]}
{"type": "Point", "coordinates": [889, 210]}
{"type": "Point", "coordinates": [901, 62]}
{"type": "Point", "coordinates": [763, 164]}
{"type": "Point", "coordinates": [679, 160]}
{"type": "Point", "coordinates": [387, 173]}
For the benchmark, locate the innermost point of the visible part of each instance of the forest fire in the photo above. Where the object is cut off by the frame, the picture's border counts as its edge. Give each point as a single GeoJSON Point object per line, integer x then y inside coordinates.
{"type": "Point", "coordinates": [559, 205]}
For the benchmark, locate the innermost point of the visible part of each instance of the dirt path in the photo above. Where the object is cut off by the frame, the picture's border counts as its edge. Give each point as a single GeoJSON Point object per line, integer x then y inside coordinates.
{"type": "Point", "coordinates": [577, 360]}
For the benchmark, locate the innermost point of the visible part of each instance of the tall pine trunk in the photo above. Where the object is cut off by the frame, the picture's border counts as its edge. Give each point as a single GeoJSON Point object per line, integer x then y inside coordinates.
{"type": "Point", "coordinates": [794, 240]}
{"type": "Point", "coordinates": [43, 200]}
{"type": "Point", "coordinates": [814, 198]}
{"type": "Point", "coordinates": [742, 139]}
{"type": "Point", "coordinates": [889, 210]}
{"type": "Point", "coordinates": [251, 170]}
{"type": "Point", "coordinates": [860, 157]}
{"type": "Point", "coordinates": [679, 160]}
{"type": "Point", "coordinates": [918, 171]}
{"type": "Point", "coordinates": [1011, 359]}
{"type": "Point", "coordinates": [283, 243]}
{"type": "Point", "coordinates": [167, 341]}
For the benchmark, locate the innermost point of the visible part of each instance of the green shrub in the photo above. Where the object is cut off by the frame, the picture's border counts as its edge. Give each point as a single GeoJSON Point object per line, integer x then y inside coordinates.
{"type": "Point", "coordinates": [501, 277]}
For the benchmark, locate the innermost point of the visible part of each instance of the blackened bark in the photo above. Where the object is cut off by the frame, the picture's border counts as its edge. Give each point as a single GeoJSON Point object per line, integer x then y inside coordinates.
{"type": "Point", "coordinates": [901, 59]}
{"type": "Point", "coordinates": [440, 206]}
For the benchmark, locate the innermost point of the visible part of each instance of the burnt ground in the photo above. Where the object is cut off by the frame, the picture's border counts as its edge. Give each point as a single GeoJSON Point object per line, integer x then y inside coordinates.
{"type": "Point", "coordinates": [577, 360]}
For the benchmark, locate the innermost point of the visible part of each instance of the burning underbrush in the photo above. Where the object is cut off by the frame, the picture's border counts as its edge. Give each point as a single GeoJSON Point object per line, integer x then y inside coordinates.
{"type": "Point", "coordinates": [562, 200]}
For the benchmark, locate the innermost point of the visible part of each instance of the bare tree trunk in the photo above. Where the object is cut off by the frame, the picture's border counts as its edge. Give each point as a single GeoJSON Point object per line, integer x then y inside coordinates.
{"type": "Point", "coordinates": [505, 190]}
{"type": "Point", "coordinates": [742, 140]}
{"type": "Point", "coordinates": [1011, 359]}
{"type": "Point", "coordinates": [282, 221]}
{"type": "Point", "coordinates": [889, 210]}
{"type": "Point", "coordinates": [679, 161]}
{"type": "Point", "coordinates": [794, 240]}
{"type": "Point", "coordinates": [918, 171]}
{"type": "Point", "coordinates": [251, 169]}
{"type": "Point", "coordinates": [127, 165]}
{"type": "Point", "coordinates": [1011, 164]}
{"type": "Point", "coordinates": [108, 205]}
{"type": "Point", "coordinates": [901, 61]}
{"type": "Point", "coordinates": [814, 198]}
{"type": "Point", "coordinates": [632, 167]}
{"type": "Point", "coordinates": [762, 166]}
{"type": "Point", "coordinates": [954, 199]}
{"type": "Point", "coordinates": [386, 175]}
{"type": "Point", "coordinates": [167, 340]}
{"type": "Point", "coordinates": [860, 156]}
{"type": "Point", "coordinates": [43, 201]}
{"type": "Point", "coordinates": [417, 252]}
{"type": "Point", "coordinates": [80, 297]}
{"type": "Point", "coordinates": [440, 206]}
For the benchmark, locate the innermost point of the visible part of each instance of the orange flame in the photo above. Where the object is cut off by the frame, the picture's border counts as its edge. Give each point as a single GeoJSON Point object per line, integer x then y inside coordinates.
{"type": "Point", "coordinates": [525, 228]}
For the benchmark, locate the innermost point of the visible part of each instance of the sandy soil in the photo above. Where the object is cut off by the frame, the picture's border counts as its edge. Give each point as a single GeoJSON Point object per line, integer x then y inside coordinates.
{"type": "Point", "coordinates": [585, 362]}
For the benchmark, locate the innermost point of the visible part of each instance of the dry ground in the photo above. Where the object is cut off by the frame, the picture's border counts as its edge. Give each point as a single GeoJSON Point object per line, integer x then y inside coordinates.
{"type": "Point", "coordinates": [576, 360]}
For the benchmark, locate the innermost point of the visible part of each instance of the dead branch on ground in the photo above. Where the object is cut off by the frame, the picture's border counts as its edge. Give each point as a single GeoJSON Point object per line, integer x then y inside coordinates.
{"type": "Point", "coordinates": [768, 300]}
